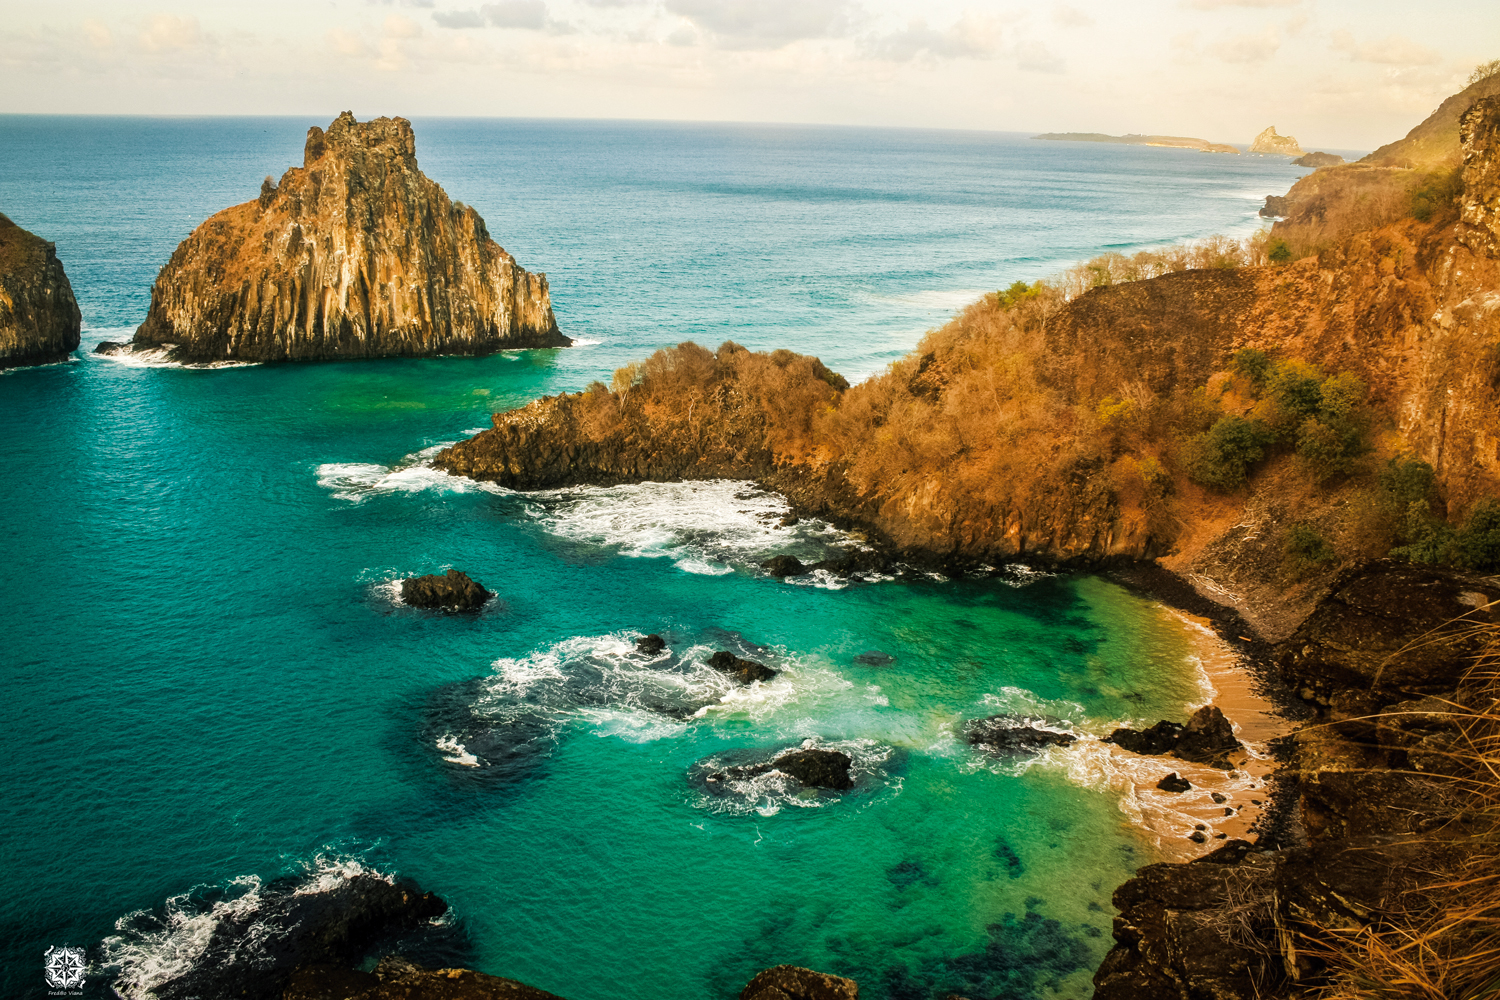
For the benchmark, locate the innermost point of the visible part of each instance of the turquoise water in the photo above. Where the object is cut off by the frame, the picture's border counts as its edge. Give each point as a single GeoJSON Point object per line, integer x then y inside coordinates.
{"type": "Point", "coordinates": [209, 678]}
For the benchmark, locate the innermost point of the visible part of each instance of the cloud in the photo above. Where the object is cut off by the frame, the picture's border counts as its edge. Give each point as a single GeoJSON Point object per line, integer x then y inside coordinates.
{"type": "Point", "coordinates": [98, 34]}
{"type": "Point", "coordinates": [1220, 4]}
{"type": "Point", "coordinates": [168, 33]}
{"type": "Point", "coordinates": [526, 15]}
{"type": "Point", "coordinates": [404, 3]}
{"type": "Point", "coordinates": [1392, 50]}
{"type": "Point", "coordinates": [1071, 17]}
{"type": "Point", "coordinates": [1035, 57]}
{"type": "Point", "coordinates": [969, 37]}
{"type": "Point", "coordinates": [1251, 48]}
{"type": "Point", "coordinates": [459, 19]}
{"type": "Point", "coordinates": [765, 24]}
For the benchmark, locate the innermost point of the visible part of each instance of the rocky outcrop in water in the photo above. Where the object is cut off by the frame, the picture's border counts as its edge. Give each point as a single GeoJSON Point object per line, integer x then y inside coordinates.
{"type": "Point", "coordinates": [39, 318]}
{"type": "Point", "coordinates": [1274, 208]}
{"type": "Point", "coordinates": [452, 589]}
{"type": "Point", "coordinates": [354, 254]}
{"type": "Point", "coordinates": [1316, 160]}
{"type": "Point", "coordinates": [1012, 735]}
{"type": "Point", "coordinates": [788, 982]}
{"type": "Point", "coordinates": [811, 766]}
{"type": "Point", "coordinates": [1206, 738]}
{"type": "Point", "coordinates": [1269, 142]}
{"type": "Point", "coordinates": [396, 978]}
{"type": "Point", "coordinates": [742, 670]}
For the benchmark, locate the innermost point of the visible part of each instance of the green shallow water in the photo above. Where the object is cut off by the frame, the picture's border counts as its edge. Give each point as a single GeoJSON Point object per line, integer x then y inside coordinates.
{"type": "Point", "coordinates": [207, 677]}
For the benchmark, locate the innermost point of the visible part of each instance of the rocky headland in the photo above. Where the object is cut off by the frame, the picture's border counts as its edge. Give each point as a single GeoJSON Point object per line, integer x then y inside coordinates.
{"type": "Point", "coordinates": [1270, 142]}
{"type": "Point", "coordinates": [1316, 160]}
{"type": "Point", "coordinates": [1172, 141]}
{"type": "Point", "coordinates": [39, 318]}
{"type": "Point", "coordinates": [354, 254]}
{"type": "Point", "coordinates": [1310, 447]}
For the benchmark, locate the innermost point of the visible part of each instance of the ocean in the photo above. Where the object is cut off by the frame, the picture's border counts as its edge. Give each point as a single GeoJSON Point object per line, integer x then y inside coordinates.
{"type": "Point", "coordinates": [212, 684]}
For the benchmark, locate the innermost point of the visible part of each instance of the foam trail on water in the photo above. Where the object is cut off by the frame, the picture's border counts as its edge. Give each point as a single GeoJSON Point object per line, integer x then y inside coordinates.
{"type": "Point", "coordinates": [356, 481]}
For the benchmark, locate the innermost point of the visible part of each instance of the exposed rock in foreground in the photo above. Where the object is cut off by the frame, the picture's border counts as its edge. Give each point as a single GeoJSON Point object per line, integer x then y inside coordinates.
{"type": "Point", "coordinates": [355, 254]}
{"type": "Point", "coordinates": [39, 318]}
{"type": "Point", "coordinates": [1269, 142]}
{"type": "Point", "coordinates": [453, 590]}
{"type": "Point", "coordinates": [396, 978]}
{"type": "Point", "coordinates": [788, 982]}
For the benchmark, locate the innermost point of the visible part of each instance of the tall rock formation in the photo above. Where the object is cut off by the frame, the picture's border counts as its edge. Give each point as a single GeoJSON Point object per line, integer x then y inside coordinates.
{"type": "Point", "coordinates": [1479, 135]}
{"type": "Point", "coordinates": [1269, 142]}
{"type": "Point", "coordinates": [355, 254]}
{"type": "Point", "coordinates": [39, 318]}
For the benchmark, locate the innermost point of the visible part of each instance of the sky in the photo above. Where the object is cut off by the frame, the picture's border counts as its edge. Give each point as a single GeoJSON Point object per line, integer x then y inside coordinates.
{"type": "Point", "coordinates": [1337, 74]}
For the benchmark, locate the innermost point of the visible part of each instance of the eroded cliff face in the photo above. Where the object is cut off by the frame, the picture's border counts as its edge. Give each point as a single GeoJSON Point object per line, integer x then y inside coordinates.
{"type": "Point", "coordinates": [39, 318]}
{"type": "Point", "coordinates": [354, 254]}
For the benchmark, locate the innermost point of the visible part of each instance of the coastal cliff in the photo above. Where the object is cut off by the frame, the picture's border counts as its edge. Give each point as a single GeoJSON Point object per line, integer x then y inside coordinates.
{"type": "Point", "coordinates": [355, 254]}
{"type": "Point", "coordinates": [39, 318]}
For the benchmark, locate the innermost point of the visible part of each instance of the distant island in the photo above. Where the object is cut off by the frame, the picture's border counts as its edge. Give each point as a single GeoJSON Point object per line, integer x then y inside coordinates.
{"type": "Point", "coordinates": [1175, 141]}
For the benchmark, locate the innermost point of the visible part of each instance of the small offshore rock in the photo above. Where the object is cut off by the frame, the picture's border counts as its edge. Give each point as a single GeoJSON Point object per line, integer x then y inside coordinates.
{"type": "Point", "coordinates": [1318, 160]}
{"type": "Point", "coordinates": [1159, 739]}
{"type": "Point", "coordinates": [650, 644]}
{"type": "Point", "coordinates": [874, 658]}
{"type": "Point", "coordinates": [453, 590]}
{"type": "Point", "coordinates": [1198, 837]}
{"type": "Point", "coordinates": [855, 561]}
{"type": "Point", "coordinates": [812, 767]}
{"type": "Point", "coordinates": [740, 669]}
{"type": "Point", "coordinates": [1011, 735]}
{"type": "Point", "coordinates": [395, 978]}
{"type": "Point", "coordinates": [1275, 207]}
{"type": "Point", "coordinates": [782, 566]}
{"type": "Point", "coordinates": [1172, 783]}
{"type": "Point", "coordinates": [789, 982]}
{"type": "Point", "coordinates": [1207, 738]}
{"type": "Point", "coordinates": [1219, 797]}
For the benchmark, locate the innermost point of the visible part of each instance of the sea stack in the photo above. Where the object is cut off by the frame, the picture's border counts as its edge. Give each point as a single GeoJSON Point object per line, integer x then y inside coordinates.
{"type": "Point", "coordinates": [1269, 142]}
{"type": "Point", "coordinates": [354, 254]}
{"type": "Point", "coordinates": [39, 318]}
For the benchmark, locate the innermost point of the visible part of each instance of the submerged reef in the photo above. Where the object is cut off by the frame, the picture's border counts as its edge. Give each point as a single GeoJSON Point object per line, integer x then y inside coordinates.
{"type": "Point", "coordinates": [354, 254]}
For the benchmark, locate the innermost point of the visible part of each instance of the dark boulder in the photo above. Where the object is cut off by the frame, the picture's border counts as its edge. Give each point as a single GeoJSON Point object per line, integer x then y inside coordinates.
{"type": "Point", "coordinates": [780, 566]}
{"type": "Point", "coordinates": [855, 561]}
{"type": "Point", "coordinates": [1159, 739]}
{"type": "Point", "coordinates": [1207, 738]}
{"type": "Point", "coordinates": [453, 590]}
{"type": "Point", "coordinates": [1010, 735]}
{"type": "Point", "coordinates": [818, 768]}
{"type": "Point", "coordinates": [1172, 783]}
{"type": "Point", "coordinates": [812, 767]}
{"type": "Point", "coordinates": [396, 978]}
{"type": "Point", "coordinates": [740, 669]}
{"type": "Point", "coordinates": [650, 644]}
{"type": "Point", "coordinates": [874, 658]}
{"type": "Point", "coordinates": [788, 982]}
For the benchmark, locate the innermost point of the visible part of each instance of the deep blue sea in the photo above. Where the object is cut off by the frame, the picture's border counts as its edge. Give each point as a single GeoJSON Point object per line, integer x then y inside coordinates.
{"type": "Point", "coordinates": [210, 680]}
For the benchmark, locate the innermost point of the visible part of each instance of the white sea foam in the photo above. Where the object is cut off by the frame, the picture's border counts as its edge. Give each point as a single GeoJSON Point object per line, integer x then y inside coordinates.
{"type": "Point", "coordinates": [1021, 575]}
{"type": "Point", "coordinates": [150, 949]}
{"type": "Point", "coordinates": [356, 481]}
{"type": "Point", "coordinates": [455, 752]}
{"type": "Point", "coordinates": [159, 357]}
{"type": "Point", "coordinates": [586, 342]}
{"type": "Point", "coordinates": [704, 527]}
{"type": "Point", "coordinates": [770, 792]}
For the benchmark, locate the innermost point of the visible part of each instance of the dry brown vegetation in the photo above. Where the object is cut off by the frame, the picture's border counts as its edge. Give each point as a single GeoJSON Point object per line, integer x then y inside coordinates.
{"type": "Point", "coordinates": [1441, 939]}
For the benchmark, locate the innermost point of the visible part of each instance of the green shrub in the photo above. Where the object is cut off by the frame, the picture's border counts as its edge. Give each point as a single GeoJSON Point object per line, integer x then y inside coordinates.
{"type": "Point", "coordinates": [1296, 388]}
{"type": "Point", "coordinates": [1305, 549]}
{"type": "Point", "coordinates": [1253, 365]}
{"type": "Point", "coordinates": [1436, 192]}
{"type": "Point", "coordinates": [1477, 544]}
{"type": "Point", "coordinates": [1016, 293]}
{"type": "Point", "coordinates": [1279, 251]}
{"type": "Point", "coordinates": [1221, 457]}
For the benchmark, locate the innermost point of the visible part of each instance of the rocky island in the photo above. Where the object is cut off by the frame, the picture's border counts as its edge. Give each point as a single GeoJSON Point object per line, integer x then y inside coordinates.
{"type": "Point", "coordinates": [1173, 141]}
{"type": "Point", "coordinates": [1269, 142]}
{"type": "Point", "coordinates": [354, 254]}
{"type": "Point", "coordinates": [39, 318]}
